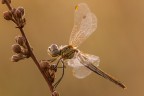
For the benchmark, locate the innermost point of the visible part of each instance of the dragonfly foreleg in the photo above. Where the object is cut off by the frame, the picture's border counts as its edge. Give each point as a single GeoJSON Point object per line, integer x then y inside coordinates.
{"type": "Point", "coordinates": [63, 66]}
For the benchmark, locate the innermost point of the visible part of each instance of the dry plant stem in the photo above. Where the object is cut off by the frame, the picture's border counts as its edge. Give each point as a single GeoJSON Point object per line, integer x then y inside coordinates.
{"type": "Point", "coordinates": [8, 5]}
{"type": "Point", "coordinates": [36, 61]}
{"type": "Point", "coordinates": [31, 53]}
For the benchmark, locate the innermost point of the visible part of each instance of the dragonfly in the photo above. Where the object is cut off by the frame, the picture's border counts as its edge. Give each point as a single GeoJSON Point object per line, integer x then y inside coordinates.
{"type": "Point", "coordinates": [83, 64]}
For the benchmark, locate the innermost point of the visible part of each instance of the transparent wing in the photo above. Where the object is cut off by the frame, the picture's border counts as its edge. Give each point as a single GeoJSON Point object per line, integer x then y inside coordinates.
{"type": "Point", "coordinates": [79, 70]}
{"type": "Point", "coordinates": [87, 59]}
{"type": "Point", "coordinates": [85, 23]}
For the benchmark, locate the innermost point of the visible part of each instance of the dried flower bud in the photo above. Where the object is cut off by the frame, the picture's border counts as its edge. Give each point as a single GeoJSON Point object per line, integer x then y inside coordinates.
{"type": "Point", "coordinates": [7, 15]}
{"type": "Point", "coordinates": [20, 40]}
{"type": "Point", "coordinates": [4, 1]}
{"type": "Point", "coordinates": [52, 73]}
{"type": "Point", "coordinates": [25, 51]}
{"type": "Point", "coordinates": [53, 67]}
{"type": "Point", "coordinates": [21, 9]}
{"type": "Point", "coordinates": [17, 57]}
{"type": "Point", "coordinates": [55, 93]}
{"type": "Point", "coordinates": [16, 48]}
{"type": "Point", "coordinates": [44, 64]}
{"type": "Point", "coordinates": [18, 13]}
{"type": "Point", "coordinates": [13, 10]}
{"type": "Point", "coordinates": [24, 21]}
{"type": "Point", "coordinates": [51, 79]}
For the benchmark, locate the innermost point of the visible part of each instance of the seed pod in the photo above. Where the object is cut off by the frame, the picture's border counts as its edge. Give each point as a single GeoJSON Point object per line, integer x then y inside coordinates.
{"type": "Point", "coordinates": [7, 15]}
{"type": "Point", "coordinates": [16, 48]}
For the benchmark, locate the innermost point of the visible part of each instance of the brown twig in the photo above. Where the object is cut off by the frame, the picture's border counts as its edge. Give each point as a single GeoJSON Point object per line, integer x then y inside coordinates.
{"type": "Point", "coordinates": [36, 61]}
{"type": "Point", "coordinates": [31, 54]}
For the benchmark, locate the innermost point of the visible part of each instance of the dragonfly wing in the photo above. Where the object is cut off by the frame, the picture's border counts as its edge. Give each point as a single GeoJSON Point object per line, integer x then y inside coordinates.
{"type": "Point", "coordinates": [79, 70]}
{"type": "Point", "coordinates": [74, 62]}
{"type": "Point", "coordinates": [95, 69]}
{"type": "Point", "coordinates": [85, 23]}
{"type": "Point", "coordinates": [87, 59]}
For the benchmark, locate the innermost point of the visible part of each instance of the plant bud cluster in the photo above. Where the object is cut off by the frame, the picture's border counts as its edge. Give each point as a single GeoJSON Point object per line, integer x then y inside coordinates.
{"type": "Point", "coordinates": [20, 49]}
{"type": "Point", "coordinates": [16, 15]}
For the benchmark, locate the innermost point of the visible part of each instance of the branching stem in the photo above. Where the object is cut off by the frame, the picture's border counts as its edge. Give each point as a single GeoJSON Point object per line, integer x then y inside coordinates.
{"type": "Point", "coordinates": [30, 51]}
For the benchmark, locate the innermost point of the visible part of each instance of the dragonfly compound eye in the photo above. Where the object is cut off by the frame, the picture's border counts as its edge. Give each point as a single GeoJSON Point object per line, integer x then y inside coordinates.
{"type": "Point", "coordinates": [53, 50]}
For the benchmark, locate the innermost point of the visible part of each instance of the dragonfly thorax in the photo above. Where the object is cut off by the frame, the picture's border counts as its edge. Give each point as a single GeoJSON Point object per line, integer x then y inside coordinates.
{"type": "Point", "coordinates": [67, 52]}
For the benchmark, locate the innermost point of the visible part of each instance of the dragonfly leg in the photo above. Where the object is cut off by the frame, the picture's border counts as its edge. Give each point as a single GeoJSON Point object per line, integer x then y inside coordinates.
{"type": "Point", "coordinates": [57, 63]}
{"type": "Point", "coordinates": [63, 66]}
{"type": "Point", "coordinates": [52, 60]}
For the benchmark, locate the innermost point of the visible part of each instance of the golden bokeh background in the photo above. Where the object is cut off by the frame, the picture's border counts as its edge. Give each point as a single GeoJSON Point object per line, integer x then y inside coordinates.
{"type": "Point", "coordinates": [118, 41]}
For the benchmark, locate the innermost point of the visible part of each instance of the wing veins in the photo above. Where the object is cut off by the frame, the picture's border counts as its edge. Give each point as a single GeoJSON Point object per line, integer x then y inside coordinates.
{"type": "Point", "coordinates": [100, 72]}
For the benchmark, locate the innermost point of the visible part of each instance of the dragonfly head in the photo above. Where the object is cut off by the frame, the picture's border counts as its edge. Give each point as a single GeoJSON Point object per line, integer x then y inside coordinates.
{"type": "Point", "coordinates": [53, 50]}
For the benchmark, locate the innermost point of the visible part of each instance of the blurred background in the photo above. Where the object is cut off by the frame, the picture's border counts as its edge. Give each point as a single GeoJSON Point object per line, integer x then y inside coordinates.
{"type": "Point", "coordinates": [118, 41]}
